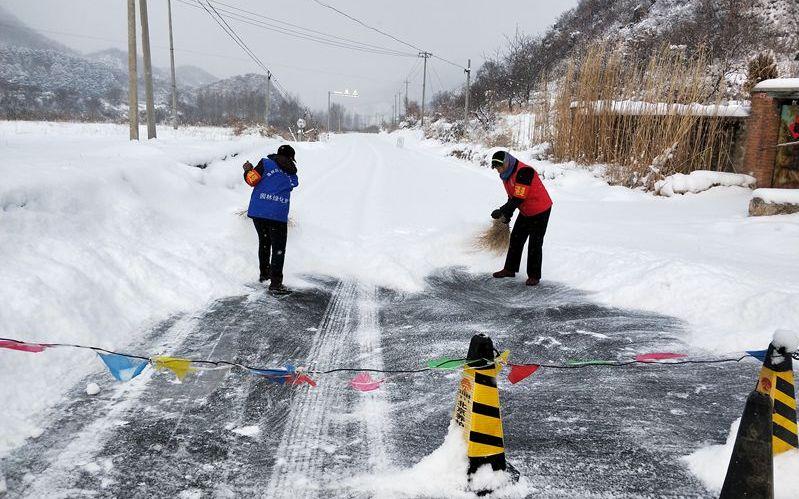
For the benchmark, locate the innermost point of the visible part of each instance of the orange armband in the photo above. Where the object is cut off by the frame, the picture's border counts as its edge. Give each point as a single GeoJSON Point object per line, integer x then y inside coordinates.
{"type": "Point", "coordinates": [252, 178]}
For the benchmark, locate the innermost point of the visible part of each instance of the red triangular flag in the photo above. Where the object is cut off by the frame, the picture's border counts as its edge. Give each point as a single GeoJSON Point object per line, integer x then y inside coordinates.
{"type": "Point", "coordinates": [302, 378]}
{"type": "Point", "coordinates": [651, 357]}
{"type": "Point", "coordinates": [518, 373]}
{"type": "Point", "coordinates": [22, 346]}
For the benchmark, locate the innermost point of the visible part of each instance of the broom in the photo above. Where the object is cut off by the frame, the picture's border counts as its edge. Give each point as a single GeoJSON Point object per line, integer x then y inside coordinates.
{"type": "Point", "coordinates": [243, 214]}
{"type": "Point", "coordinates": [495, 238]}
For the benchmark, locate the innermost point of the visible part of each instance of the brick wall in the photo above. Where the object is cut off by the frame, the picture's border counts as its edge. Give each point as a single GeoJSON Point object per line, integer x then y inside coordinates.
{"type": "Point", "coordinates": [761, 137]}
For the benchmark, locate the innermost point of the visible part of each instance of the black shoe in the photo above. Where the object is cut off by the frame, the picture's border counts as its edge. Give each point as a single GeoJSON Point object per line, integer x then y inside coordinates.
{"type": "Point", "coordinates": [277, 287]}
{"type": "Point", "coordinates": [263, 278]}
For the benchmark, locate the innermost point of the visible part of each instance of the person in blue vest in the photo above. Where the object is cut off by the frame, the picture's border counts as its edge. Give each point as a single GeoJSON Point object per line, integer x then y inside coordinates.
{"type": "Point", "coordinates": [272, 180]}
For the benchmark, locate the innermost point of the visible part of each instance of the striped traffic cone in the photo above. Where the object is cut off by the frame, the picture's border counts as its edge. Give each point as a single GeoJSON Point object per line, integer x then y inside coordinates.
{"type": "Point", "coordinates": [768, 428]}
{"type": "Point", "coordinates": [477, 409]}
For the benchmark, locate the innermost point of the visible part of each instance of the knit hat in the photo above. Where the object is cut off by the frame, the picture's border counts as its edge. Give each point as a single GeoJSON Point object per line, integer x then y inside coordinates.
{"type": "Point", "coordinates": [498, 159]}
{"type": "Point", "coordinates": [287, 151]}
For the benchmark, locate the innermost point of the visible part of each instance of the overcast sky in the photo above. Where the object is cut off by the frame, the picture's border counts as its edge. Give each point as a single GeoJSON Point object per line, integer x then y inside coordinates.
{"type": "Point", "coordinates": [453, 29]}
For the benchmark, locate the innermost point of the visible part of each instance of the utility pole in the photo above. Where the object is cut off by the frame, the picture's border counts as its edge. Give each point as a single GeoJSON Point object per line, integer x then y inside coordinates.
{"type": "Point", "coordinates": [425, 55]}
{"type": "Point", "coordinates": [133, 84]}
{"type": "Point", "coordinates": [148, 70]}
{"type": "Point", "coordinates": [468, 72]}
{"type": "Point", "coordinates": [172, 63]}
{"type": "Point", "coordinates": [406, 97]}
{"type": "Point", "coordinates": [328, 115]}
{"type": "Point", "coordinates": [269, 95]}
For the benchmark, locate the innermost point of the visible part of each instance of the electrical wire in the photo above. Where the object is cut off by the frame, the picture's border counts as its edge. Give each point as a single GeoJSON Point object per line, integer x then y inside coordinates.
{"type": "Point", "coordinates": [303, 28]}
{"type": "Point", "coordinates": [364, 24]}
{"type": "Point", "coordinates": [349, 44]}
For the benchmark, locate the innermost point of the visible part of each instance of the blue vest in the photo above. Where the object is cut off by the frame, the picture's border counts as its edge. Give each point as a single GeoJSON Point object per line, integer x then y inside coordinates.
{"type": "Point", "coordinates": [271, 197]}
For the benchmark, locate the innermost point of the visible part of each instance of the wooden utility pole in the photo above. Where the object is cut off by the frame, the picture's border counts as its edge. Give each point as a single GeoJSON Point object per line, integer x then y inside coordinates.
{"type": "Point", "coordinates": [148, 70]}
{"type": "Point", "coordinates": [172, 62]}
{"type": "Point", "coordinates": [425, 55]}
{"type": "Point", "coordinates": [468, 72]}
{"type": "Point", "coordinates": [133, 90]}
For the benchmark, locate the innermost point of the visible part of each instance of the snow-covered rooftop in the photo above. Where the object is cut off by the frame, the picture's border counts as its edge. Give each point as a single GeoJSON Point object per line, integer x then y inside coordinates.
{"type": "Point", "coordinates": [636, 108]}
{"type": "Point", "coordinates": [778, 85]}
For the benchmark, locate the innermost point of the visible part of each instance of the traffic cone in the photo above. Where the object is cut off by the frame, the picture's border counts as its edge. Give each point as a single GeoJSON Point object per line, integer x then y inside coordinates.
{"type": "Point", "coordinates": [776, 381]}
{"type": "Point", "coordinates": [768, 428]}
{"type": "Point", "coordinates": [477, 409]}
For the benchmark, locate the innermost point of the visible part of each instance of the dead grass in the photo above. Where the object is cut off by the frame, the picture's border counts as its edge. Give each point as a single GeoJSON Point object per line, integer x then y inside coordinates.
{"type": "Point", "coordinates": [494, 238]}
{"type": "Point", "coordinates": [642, 146]}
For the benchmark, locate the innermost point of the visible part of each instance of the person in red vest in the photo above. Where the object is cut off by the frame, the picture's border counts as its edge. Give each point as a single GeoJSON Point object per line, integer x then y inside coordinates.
{"type": "Point", "coordinates": [527, 193]}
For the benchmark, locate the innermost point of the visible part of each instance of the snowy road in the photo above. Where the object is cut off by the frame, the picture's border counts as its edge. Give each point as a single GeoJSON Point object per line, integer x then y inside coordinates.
{"type": "Point", "coordinates": [597, 431]}
{"type": "Point", "coordinates": [381, 241]}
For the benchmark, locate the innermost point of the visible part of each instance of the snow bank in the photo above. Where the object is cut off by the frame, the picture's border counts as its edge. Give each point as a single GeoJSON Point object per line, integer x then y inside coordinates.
{"type": "Point", "coordinates": [701, 180]}
{"type": "Point", "coordinates": [777, 196]}
{"type": "Point", "coordinates": [101, 237]}
{"type": "Point", "coordinates": [710, 463]}
{"type": "Point", "coordinates": [443, 473]}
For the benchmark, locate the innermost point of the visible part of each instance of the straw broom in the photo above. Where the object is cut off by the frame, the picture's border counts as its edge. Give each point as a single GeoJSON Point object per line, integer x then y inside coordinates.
{"type": "Point", "coordinates": [495, 238]}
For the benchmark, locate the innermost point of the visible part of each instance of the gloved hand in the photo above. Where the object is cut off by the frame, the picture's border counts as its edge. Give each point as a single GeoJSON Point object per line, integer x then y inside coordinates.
{"type": "Point", "coordinates": [247, 166]}
{"type": "Point", "coordinates": [499, 215]}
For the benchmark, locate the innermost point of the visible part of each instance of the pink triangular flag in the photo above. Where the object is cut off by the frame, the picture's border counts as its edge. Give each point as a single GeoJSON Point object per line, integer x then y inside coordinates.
{"type": "Point", "coordinates": [518, 373]}
{"type": "Point", "coordinates": [22, 346]}
{"type": "Point", "coordinates": [363, 382]}
{"type": "Point", "coordinates": [651, 357]}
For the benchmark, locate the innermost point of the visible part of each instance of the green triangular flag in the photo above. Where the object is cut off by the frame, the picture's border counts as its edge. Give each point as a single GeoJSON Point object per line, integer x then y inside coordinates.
{"type": "Point", "coordinates": [446, 363]}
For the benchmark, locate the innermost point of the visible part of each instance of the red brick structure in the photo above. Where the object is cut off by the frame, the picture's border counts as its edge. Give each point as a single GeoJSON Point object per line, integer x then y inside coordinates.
{"type": "Point", "coordinates": [765, 131]}
{"type": "Point", "coordinates": [761, 137]}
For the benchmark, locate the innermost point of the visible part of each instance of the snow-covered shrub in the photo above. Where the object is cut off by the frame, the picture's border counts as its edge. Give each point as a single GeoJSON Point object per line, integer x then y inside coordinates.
{"type": "Point", "coordinates": [701, 180]}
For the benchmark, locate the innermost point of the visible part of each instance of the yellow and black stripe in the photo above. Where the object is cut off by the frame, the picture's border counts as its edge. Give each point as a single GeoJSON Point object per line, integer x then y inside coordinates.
{"type": "Point", "coordinates": [776, 380]}
{"type": "Point", "coordinates": [485, 435]}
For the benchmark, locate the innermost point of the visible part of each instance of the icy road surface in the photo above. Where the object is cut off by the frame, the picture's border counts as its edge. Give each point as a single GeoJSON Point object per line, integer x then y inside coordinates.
{"type": "Point", "coordinates": [599, 431]}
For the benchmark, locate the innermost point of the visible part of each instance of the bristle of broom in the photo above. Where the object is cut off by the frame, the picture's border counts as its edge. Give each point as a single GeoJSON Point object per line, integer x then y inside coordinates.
{"type": "Point", "coordinates": [495, 238]}
{"type": "Point", "coordinates": [243, 214]}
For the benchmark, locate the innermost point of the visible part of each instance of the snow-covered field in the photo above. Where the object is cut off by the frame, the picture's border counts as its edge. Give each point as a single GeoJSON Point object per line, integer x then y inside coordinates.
{"type": "Point", "coordinates": [101, 238]}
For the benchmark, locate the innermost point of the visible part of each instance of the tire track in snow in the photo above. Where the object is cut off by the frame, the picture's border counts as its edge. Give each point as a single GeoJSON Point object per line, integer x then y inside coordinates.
{"type": "Point", "coordinates": [330, 427]}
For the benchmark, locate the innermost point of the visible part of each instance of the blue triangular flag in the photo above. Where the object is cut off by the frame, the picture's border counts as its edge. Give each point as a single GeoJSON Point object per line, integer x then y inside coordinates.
{"type": "Point", "coordinates": [758, 354]}
{"type": "Point", "coordinates": [121, 367]}
{"type": "Point", "coordinates": [278, 376]}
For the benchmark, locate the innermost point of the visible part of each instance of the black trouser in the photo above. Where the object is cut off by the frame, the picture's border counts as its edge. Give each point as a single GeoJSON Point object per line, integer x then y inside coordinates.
{"type": "Point", "coordinates": [271, 242]}
{"type": "Point", "coordinates": [534, 228]}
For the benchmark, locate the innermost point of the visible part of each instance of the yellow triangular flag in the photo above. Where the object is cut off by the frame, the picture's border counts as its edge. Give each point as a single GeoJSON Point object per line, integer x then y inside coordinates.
{"type": "Point", "coordinates": [181, 367]}
{"type": "Point", "coordinates": [503, 357]}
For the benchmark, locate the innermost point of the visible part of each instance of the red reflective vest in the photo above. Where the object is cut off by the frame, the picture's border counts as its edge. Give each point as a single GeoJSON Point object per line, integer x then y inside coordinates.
{"type": "Point", "coordinates": [535, 196]}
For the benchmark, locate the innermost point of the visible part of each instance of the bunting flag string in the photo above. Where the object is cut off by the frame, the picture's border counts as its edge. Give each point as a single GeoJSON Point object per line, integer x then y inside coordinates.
{"type": "Point", "coordinates": [125, 367]}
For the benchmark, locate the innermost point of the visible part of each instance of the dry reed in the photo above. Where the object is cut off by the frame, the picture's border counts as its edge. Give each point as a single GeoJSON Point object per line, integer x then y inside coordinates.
{"type": "Point", "coordinates": [494, 238]}
{"type": "Point", "coordinates": [641, 118]}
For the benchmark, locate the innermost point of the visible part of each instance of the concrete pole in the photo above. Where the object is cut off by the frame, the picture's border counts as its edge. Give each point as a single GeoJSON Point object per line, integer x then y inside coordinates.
{"type": "Point", "coordinates": [172, 64]}
{"type": "Point", "coordinates": [148, 69]}
{"type": "Point", "coordinates": [468, 72]}
{"type": "Point", "coordinates": [133, 84]}
{"type": "Point", "coordinates": [268, 98]}
{"type": "Point", "coordinates": [328, 115]}
{"type": "Point", "coordinates": [425, 55]}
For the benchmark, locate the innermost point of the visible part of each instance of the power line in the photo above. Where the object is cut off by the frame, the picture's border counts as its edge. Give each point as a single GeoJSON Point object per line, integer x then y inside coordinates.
{"type": "Point", "coordinates": [303, 28]}
{"type": "Point", "coordinates": [240, 42]}
{"type": "Point", "coordinates": [347, 43]}
{"type": "Point", "coordinates": [362, 23]}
